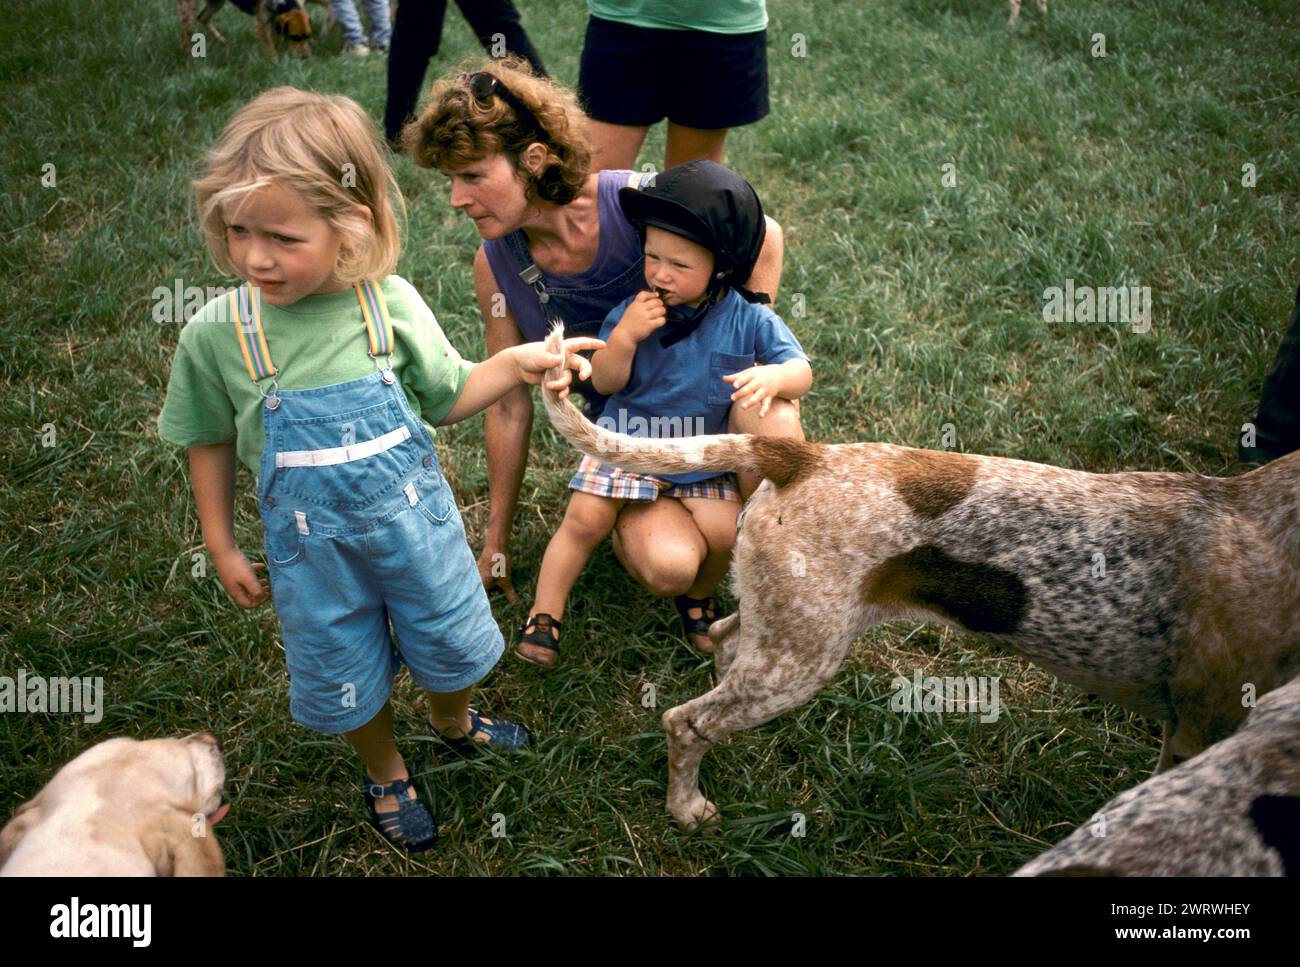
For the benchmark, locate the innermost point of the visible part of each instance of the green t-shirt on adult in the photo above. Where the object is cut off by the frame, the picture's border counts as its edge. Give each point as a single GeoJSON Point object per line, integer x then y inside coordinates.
{"type": "Point", "coordinates": [714, 16]}
{"type": "Point", "coordinates": [318, 341]}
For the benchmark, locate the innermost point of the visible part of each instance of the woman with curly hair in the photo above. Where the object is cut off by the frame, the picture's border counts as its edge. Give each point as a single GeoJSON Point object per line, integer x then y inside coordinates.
{"type": "Point", "coordinates": [557, 246]}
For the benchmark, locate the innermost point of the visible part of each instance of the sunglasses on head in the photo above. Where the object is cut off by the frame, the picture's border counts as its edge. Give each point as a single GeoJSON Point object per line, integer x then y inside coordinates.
{"type": "Point", "coordinates": [483, 85]}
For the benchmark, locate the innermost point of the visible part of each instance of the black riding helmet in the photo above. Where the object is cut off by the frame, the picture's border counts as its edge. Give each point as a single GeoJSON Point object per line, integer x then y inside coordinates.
{"type": "Point", "coordinates": [712, 206]}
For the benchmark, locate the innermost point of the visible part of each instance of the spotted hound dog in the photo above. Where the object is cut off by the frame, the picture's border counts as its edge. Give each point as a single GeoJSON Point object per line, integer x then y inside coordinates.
{"type": "Point", "coordinates": [1174, 595]}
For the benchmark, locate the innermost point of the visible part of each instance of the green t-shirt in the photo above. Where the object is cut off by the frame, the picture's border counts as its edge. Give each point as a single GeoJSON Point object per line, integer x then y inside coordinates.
{"type": "Point", "coordinates": [715, 16]}
{"type": "Point", "coordinates": [318, 341]}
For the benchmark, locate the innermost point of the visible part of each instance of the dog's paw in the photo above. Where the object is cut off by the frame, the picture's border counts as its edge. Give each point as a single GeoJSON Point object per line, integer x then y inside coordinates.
{"type": "Point", "coordinates": [695, 814]}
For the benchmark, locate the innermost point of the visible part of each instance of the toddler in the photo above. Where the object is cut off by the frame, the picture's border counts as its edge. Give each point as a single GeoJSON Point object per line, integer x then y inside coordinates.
{"type": "Point", "coordinates": [675, 360]}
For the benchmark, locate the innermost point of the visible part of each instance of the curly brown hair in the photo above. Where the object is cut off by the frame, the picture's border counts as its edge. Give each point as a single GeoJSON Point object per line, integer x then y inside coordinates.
{"type": "Point", "coordinates": [457, 129]}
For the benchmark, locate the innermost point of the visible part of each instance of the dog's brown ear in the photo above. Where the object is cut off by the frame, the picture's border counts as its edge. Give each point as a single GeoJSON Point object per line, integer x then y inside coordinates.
{"type": "Point", "coordinates": [23, 820]}
{"type": "Point", "coordinates": [183, 844]}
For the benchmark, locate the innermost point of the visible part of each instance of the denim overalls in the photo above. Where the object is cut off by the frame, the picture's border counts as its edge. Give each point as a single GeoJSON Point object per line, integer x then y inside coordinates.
{"type": "Point", "coordinates": [362, 530]}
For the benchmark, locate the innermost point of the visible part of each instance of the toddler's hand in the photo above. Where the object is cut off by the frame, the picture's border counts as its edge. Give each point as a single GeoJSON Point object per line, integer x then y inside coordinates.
{"type": "Point", "coordinates": [643, 315]}
{"type": "Point", "coordinates": [242, 580]}
{"type": "Point", "coordinates": [758, 384]}
{"type": "Point", "coordinates": [532, 361]}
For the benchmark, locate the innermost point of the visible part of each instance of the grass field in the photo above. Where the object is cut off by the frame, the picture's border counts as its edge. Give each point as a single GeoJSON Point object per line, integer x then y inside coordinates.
{"type": "Point", "coordinates": [921, 305]}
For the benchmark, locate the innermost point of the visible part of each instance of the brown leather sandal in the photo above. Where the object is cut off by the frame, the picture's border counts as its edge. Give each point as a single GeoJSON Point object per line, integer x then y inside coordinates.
{"type": "Point", "coordinates": [540, 637]}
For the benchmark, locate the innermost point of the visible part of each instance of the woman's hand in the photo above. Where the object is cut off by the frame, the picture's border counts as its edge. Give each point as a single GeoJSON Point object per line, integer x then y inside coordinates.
{"type": "Point", "coordinates": [245, 582]}
{"type": "Point", "coordinates": [494, 571]}
{"type": "Point", "coordinates": [532, 361]}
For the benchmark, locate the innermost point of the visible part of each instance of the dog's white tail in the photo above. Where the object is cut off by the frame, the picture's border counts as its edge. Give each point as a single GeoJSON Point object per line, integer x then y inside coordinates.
{"type": "Point", "coordinates": [779, 460]}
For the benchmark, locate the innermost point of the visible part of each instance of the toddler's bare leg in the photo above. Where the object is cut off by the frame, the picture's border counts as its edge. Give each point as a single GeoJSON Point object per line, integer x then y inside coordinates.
{"type": "Point", "coordinates": [587, 522]}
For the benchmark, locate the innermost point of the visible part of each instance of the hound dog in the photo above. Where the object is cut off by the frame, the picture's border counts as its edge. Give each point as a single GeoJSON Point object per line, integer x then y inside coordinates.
{"type": "Point", "coordinates": [1174, 595]}
{"type": "Point", "coordinates": [286, 19]}
{"type": "Point", "coordinates": [1234, 810]}
{"type": "Point", "coordinates": [124, 808]}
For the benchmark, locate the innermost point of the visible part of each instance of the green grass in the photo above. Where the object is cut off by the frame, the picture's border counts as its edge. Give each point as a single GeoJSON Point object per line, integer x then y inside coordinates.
{"type": "Point", "coordinates": [923, 307]}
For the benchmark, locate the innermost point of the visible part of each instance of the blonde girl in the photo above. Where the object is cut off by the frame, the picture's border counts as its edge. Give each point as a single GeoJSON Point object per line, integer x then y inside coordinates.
{"type": "Point", "coordinates": [325, 374]}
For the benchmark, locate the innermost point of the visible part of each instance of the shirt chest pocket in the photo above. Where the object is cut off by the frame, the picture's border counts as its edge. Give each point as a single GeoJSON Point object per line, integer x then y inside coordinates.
{"type": "Point", "coordinates": [724, 364]}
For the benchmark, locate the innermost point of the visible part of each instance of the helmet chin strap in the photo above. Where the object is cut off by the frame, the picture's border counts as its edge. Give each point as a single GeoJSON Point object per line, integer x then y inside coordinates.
{"type": "Point", "coordinates": [684, 320]}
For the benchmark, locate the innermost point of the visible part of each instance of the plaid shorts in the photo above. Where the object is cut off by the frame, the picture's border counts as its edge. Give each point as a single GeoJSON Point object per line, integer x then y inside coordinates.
{"type": "Point", "coordinates": [604, 480]}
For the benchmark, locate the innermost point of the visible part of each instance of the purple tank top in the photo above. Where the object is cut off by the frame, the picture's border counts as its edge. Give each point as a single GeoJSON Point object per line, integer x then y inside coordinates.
{"type": "Point", "coordinates": [584, 299]}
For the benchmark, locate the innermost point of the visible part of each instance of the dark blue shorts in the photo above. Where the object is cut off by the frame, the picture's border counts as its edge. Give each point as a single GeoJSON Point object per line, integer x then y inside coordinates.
{"type": "Point", "coordinates": [641, 75]}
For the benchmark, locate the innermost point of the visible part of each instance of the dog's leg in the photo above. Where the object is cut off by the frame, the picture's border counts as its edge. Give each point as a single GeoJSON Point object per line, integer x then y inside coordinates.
{"type": "Point", "coordinates": [186, 8]}
{"type": "Point", "coordinates": [1167, 759]}
{"type": "Point", "coordinates": [263, 19]}
{"type": "Point", "coordinates": [725, 637]}
{"type": "Point", "coordinates": [205, 19]}
{"type": "Point", "coordinates": [766, 677]}
{"type": "Point", "coordinates": [1015, 13]}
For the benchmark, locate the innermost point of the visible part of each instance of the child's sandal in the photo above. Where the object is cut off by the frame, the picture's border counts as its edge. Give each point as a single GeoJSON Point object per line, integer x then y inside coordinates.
{"type": "Point", "coordinates": [412, 826]}
{"type": "Point", "coordinates": [497, 733]}
{"type": "Point", "coordinates": [540, 637]}
{"type": "Point", "coordinates": [696, 626]}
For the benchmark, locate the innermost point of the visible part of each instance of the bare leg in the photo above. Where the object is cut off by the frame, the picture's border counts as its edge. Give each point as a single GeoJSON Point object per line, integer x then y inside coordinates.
{"type": "Point", "coordinates": [660, 546]}
{"type": "Point", "coordinates": [615, 146]}
{"type": "Point", "coordinates": [449, 714]}
{"type": "Point", "coordinates": [782, 420]}
{"type": "Point", "coordinates": [375, 744]}
{"type": "Point", "coordinates": [687, 144]}
{"type": "Point", "coordinates": [716, 520]}
{"type": "Point", "coordinates": [587, 522]}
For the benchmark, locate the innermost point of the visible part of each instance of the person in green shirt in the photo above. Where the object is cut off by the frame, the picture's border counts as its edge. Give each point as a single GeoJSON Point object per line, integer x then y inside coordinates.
{"type": "Point", "coordinates": [702, 64]}
{"type": "Point", "coordinates": [328, 386]}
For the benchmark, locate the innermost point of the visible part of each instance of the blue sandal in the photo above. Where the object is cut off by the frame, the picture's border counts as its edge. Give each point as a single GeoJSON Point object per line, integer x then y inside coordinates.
{"type": "Point", "coordinates": [503, 735]}
{"type": "Point", "coordinates": [412, 826]}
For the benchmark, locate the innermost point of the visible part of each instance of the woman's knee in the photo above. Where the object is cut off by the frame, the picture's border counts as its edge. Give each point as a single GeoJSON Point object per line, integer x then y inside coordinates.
{"type": "Point", "coordinates": [665, 567]}
{"type": "Point", "coordinates": [667, 574]}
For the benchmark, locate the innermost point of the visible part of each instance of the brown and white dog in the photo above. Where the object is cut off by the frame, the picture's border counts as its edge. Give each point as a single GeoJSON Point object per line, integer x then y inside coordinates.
{"type": "Point", "coordinates": [124, 808]}
{"type": "Point", "coordinates": [1174, 595]}
{"type": "Point", "coordinates": [1234, 810]}
{"type": "Point", "coordinates": [286, 19]}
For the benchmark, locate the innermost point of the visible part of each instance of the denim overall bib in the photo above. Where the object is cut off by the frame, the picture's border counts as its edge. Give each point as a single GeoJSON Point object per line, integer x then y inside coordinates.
{"type": "Point", "coordinates": [362, 531]}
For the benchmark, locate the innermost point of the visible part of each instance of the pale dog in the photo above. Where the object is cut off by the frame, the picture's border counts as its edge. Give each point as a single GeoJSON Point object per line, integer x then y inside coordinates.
{"type": "Point", "coordinates": [124, 808]}
{"type": "Point", "coordinates": [1234, 810]}
{"type": "Point", "coordinates": [1198, 606]}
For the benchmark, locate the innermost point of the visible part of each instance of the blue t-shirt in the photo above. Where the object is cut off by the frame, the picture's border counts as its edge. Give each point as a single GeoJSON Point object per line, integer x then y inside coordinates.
{"type": "Point", "coordinates": [679, 391]}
